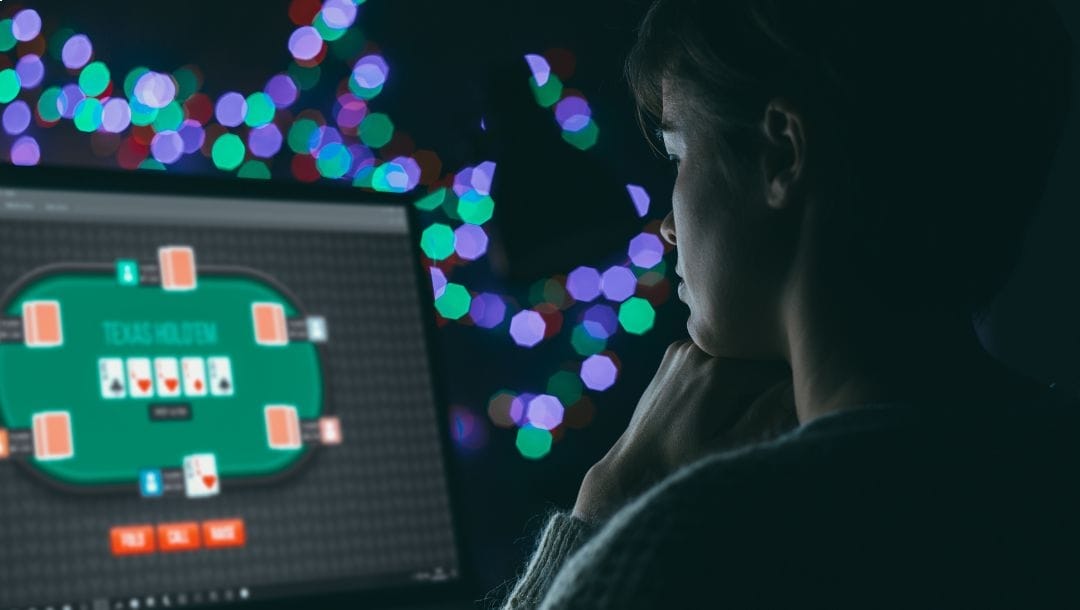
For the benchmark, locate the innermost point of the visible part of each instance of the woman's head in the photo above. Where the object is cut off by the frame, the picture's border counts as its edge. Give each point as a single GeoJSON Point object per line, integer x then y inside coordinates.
{"type": "Point", "coordinates": [917, 134]}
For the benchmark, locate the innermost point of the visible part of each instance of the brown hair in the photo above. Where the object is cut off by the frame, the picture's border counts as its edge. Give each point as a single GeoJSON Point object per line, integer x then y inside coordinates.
{"type": "Point", "coordinates": [943, 119]}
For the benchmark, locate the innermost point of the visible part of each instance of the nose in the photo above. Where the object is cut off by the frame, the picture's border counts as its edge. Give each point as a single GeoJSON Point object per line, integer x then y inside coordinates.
{"type": "Point", "coordinates": [667, 228]}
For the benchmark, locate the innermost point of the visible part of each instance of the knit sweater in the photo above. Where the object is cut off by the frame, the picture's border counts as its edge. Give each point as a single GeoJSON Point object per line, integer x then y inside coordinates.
{"type": "Point", "coordinates": [902, 504]}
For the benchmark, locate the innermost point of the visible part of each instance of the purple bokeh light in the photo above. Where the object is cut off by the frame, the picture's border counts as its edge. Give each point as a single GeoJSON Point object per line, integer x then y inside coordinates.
{"type": "Point", "coordinates": [230, 109]}
{"type": "Point", "coordinates": [527, 328]}
{"type": "Point", "coordinates": [545, 412]}
{"type": "Point", "coordinates": [470, 242]}
{"type": "Point", "coordinates": [618, 284]}
{"type": "Point", "coordinates": [339, 14]}
{"type": "Point", "coordinates": [598, 372]}
{"type": "Point", "coordinates": [282, 90]}
{"type": "Point", "coordinates": [77, 52]}
{"type": "Point", "coordinates": [583, 284]}
{"type": "Point", "coordinates": [540, 68]}
{"type": "Point", "coordinates": [25, 151]}
{"type": "Point", "coordinates": [487, 310]}
{"type": "Point", "coordinates": [26, 25]}
{"type": "Point", "coordinates": [573, 113]}
{"type": "Point", "coordinates": [30, 70]}
{"type": "Point", "coordinates": [351, 112]}
{"type": "Point", "coordinates": [193, 135]}
{"type": "Point", "coordinates": [646, 250]}
{"type": "Point", "coordinates": [167, 146]}
{"type": "Point", "coordinates": [601, 322]}
{"type": "Point", "coordinates": [640, 197]}
{"type": "Point", "coordinates": [371, 72]}
{"type": "Point", "coordinates": [16, 117]}
{"type": "Point", "coordinates": [115, 115]}
{"type": "Point", "coordinates": [519, 407]}
{"type": "Point", "coordinates": [481, 177]}
{"type": "Point", "coordinates": [305, 43]}
{"type": "Point", "coordinates": [322, 136]}
{"type": "Point", "coordinates": [155, 90]}
{"type": "Point", "coordinates": [265, 141]}
{"type": "Point", "coordinates": [438, 281]}
{"type": "Point", "coordinates": [70, 96]}
{"type": "Point", "coordinates": [412, 171]}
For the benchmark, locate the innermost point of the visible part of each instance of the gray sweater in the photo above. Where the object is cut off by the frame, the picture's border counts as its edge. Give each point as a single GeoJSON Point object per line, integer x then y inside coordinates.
{"type": "Point", "coordinates": [917, 505]}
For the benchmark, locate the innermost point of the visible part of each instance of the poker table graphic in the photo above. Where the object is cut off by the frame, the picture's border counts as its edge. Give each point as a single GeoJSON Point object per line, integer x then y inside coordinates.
{"type": "Point", "coordinates": [262, 421]}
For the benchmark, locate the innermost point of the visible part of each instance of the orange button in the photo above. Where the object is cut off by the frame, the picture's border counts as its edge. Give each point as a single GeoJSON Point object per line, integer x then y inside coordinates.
{"type": "Point", "coordinates": [5, 444]}
{"type": "Point", "coordinates": [224, 533]}
{"type": "Point", "coordinates": [178, 536]}
{"type": "Point", "coordinates": [132, 540]}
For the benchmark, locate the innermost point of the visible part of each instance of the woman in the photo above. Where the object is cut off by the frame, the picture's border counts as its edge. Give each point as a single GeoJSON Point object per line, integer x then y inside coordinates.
{"type": "Point", "coordinates": [854, 183]}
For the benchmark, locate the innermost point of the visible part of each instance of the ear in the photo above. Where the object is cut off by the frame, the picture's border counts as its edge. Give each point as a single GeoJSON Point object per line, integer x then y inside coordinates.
{"type": "Point", "coordinates": [784, 152]}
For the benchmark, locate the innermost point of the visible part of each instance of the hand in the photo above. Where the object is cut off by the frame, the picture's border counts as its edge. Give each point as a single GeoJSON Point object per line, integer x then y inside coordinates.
{"type": "Point", "coordinates": [694, 406]}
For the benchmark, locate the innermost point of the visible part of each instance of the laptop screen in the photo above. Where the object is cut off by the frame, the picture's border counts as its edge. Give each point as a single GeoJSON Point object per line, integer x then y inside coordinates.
{"type": "Point", "coordinates": [209, 399]}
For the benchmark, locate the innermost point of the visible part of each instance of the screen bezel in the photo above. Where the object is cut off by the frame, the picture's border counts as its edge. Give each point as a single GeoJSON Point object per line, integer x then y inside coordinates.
{"type": "Point", "coordinates": [329, 594]}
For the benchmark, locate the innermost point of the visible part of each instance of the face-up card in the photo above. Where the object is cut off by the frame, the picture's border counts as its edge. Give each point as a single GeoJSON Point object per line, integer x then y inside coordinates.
{"type": "Point", "coordinates": [111, 373]}
{"type": "Point", "coordinates": [194, 370]}
{"type": "Point", "coordinates": [167, 372]}
{"type": "Point", "coordinates": [201, 476]}
{"type": "Point", "coordinates": [140, 383]}
{"type": "Point", "coordinates": [221, 377]}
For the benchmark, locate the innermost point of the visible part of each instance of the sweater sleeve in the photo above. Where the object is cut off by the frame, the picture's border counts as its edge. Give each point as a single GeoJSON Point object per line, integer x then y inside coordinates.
{"type": "Point", "coordinates": [562, 535]}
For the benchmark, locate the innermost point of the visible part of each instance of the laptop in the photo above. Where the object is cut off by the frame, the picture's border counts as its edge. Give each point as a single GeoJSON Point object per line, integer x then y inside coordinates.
{"type": "Point", "coordinates": [218, 393]}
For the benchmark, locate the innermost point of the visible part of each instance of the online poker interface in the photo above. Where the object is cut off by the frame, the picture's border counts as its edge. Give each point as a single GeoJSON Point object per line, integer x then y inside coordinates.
{"type": "Point", "coordinates": [210, 400]}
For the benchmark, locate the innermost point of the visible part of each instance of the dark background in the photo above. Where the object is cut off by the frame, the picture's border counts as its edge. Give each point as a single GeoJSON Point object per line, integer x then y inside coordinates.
{"type": "Point", "coordinates": [443, 57]}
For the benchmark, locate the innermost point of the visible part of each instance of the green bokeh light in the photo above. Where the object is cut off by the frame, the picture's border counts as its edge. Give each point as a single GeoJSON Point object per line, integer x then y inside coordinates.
{"type": "Point", "coordinates": [363, 177]}
{"type": "Point", "coordinates": [327, 33]}
{"type": "Point", "coordinates": [432, 201]}
{"type": "Point", "coordinates": [56, 43]}
{"type": "Point", "coordinates": [584, 343]}
{"type": "Point", "coordinates": [348, 46]}
{"type": "Point", "coordinates": [300, 135]}
{"type": "Point", "coordinates": [169, 118]}
{"type": "Point", "coordinates": [260, 109]}
{"type": "Point", "coordinates": [141, 115]}
{"type": "Point", "coordinates": [48, 104]}
{"type": "Point", "coordinates": [334, 160]}
{"type": "Point", "coordinates": [187, 83]}
{"type": "Point", "coordinates": [584, 139]}
{"type": "Point", "coordinates": [637, 316]}
{"type": "Point", "coordinates": [437, 241]}
{"type": "Point", "coordinates": [152, 163]}
{"type": "Point", "coordinates": [565, 386]}
{"type": "Point", "coordinates": [88, 115]}
{"type": "Point", "coordinates": [7, 36]}
{"type": "Point", "coordinates": [475, 208]}
{"type": "Point", "coordinates": [550, 93]}
{"type": "Point", "coordinates": [228, 152]}
{"type": "Point", "coordinates": [253, 169]}
{"type": "Point", "coordinates": [533, 443]}
{"type": "Point", "coordinates": [9, 85]}
{"type": "Point", "coordinates": [376, 130]}
{"type": "Point", "coordinates": [94, 79]}
{"type": "Point", "coordinates": [454, 302]}
{"type": "Point", "coordinates": [305, 78]}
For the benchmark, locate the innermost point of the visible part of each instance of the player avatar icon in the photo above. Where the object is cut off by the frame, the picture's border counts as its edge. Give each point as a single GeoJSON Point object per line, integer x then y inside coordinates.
{"type": "Point", "coordinates": [151, 483]}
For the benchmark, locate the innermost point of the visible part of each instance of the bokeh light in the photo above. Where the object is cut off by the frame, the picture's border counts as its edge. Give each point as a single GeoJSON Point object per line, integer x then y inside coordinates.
{"type": "Point", "coordinates": [305, 43]}
{"type": "Point", "coordinates": [598, 372]}
{"type": "Point", "coordinates": [640, 197]}
{"type": "Point", "coordinates": [583, 283]}
{"type": "Point", "coordinates": [646, 250]}
{"type": "Point", "coordinates": [545, 412]}
{"type": "Point", "coordinates": [228, 152]}
{"type": "Point", "coordinates": [565, 386]}
{"type": "Point", "coordinates": [16, 117]}
{"type": "Point", "coordinates": [618, 284]}
{"type": "Point", "coordinates": [454, 302]}
{"type": "Point", "coordinates": [9, 85]}
{"type": "Point", "coordinates": [25, 151]}
{"type": "Point", "coordinates": [26, 25]}
{"type": "Point", "coordinates": [475, 208]}
{"type": "Point", "coordinates": [231, 109]}
{"type": "Point", "coordinates": [499, 409]}
{"type": "Point", "coordinates": [470, 242]}
{"type": "Point", "coordinates": [167, 147]}
{"type": "Point", "coordinates": [527, 328]}
{"type": "Point", "coordinates": [533, 443]}
{"type": "Point", "coordinates": [155, 90]}
{"type": "Point", "coordinates": [637, 316]}
{"type": "Point", "coordinates": [437, 241]}
{"type": "Point", "coordinates": [31, 71]}
{"type": "Point", "coordinates": [487, 310]}
{"type": "Point", "coordinates": [600, 321]}
{"type": "Point", "coordinates": [115, 115]}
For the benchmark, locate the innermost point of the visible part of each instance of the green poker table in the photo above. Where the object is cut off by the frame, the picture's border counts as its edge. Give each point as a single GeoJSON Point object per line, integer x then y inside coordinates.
{"type": "Point", "coordinates": [114, 439]}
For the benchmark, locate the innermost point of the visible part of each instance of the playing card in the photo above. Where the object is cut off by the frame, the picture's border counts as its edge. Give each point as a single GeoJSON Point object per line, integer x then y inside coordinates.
{"type": "Point", "coordinates": [221, 377]}
{"type": "Point", "coordinates": [282, 427]}
{"type": "Point", "coordinates": [194, 370]}
{"type": "Point", "coordinates": [52, 436]}
{"type": "Point", "coordinates": [167, 373]}
{"type": "Point", "coordinates": [111, 374]}
{"type": "Point", "coordinates": [201, 476]}
{"type": "Point", "coordinates": [140, 382]}
{"type": "Point", "coordinates": [41, 324]}
{"type": "Point", "coordinates": [177, 265]}
{"type": "Point", "coordinates": [270, 325]}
